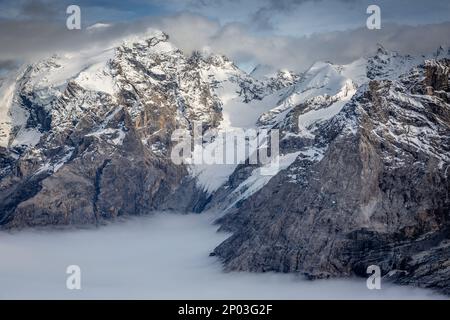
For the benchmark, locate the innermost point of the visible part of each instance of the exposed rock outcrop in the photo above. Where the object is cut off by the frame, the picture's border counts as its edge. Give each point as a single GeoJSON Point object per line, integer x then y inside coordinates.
{"type": "Point", "coordinates": [380, 194]}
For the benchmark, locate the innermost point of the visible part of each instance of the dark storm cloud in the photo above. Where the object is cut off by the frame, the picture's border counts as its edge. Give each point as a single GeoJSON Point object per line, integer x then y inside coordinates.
{"type": "Point", "coordinates": [20, 10]}
{"type": "Point", "coordinates": [261, 12]}
{"type": "Point", "coordinates": [38, 9]}
{"type": "Point", "coordinates": [33, 29]}
{"type": "Point", "coordinates": [338, 47]}
{"type": "Point", "coordinates": [263, 16]}
{"type": "Point", "coordinates": [309, 16]}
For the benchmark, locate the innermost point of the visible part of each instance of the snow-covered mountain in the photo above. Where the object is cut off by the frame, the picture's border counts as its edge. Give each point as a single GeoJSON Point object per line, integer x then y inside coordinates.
{"type": "Point", "coordinates": [364, 154]}
{"type": "Point", "coordinates": [368, 183]}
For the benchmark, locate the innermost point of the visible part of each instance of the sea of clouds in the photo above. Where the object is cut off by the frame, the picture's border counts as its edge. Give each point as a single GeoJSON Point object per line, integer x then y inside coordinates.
{"type": "Point", "coordinates": [163, 256]}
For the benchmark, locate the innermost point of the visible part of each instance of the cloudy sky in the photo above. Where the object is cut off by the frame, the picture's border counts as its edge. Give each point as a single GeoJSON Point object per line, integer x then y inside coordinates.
{"type": "Point", "coordinates": [281, 33]}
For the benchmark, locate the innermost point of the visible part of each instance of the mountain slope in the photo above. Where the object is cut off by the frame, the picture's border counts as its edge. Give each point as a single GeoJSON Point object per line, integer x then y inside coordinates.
{"type": "Point", "coordinates": [363, 167]}
{"type": "Point", "coordinates": [94, 132]}
{"type": "Point", "coordinates": [378, 193]}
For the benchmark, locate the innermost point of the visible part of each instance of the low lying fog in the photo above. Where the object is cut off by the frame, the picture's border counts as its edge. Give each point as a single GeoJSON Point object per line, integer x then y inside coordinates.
{"type": "Point", "coordinates": [164, 256]}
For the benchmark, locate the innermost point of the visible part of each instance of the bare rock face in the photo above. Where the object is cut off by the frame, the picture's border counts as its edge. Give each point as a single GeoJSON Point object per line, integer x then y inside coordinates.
{"type": "Point", "coordinates": [103, 137]}
{"type": "Point", "coordinates": [96, 181]}
{"type": "Point", "coordinates": [380, 195]}
{"type": "Point", "coordinates": [91, 135]}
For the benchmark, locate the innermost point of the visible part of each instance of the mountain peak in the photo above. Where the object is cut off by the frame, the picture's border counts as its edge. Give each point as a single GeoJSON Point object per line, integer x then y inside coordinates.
{"type": "Point", "coordinates": [381, 50]}
{"type": "Point", "coordinates": [441, 51]}
{"type": "Point", "coordinates": [151, 37]}
{"type": "Point", "coordinates": [262, 71]}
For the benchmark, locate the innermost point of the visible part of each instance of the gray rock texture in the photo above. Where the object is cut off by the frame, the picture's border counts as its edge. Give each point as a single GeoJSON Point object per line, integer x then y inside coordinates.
{"type": "Point", "coordinates": [380, 195]}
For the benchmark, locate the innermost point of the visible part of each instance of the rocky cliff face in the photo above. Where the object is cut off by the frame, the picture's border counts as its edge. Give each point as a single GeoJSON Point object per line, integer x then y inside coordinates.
{"type": "Point", "coordinates": [364, 155]}
{"type": "Point", "coordinates": [88, 135]}
{"type": "Point", "coordinates": [93, 136]}
{"type": "Point", "coordinates": [378, 193]}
